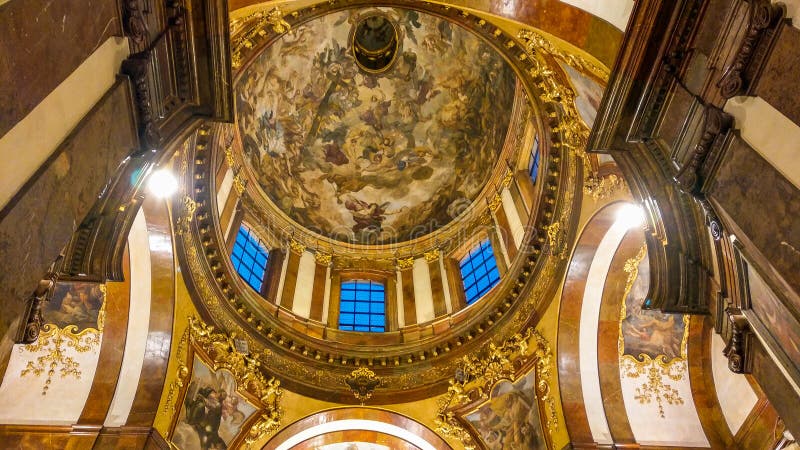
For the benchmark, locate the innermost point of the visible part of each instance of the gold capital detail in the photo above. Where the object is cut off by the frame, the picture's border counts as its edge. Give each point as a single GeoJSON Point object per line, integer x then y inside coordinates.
{"type": "Point", "coordinates": [432, 255]}
{"type": "Point", "coordinates": [297, 247]}
{"type": "Point", "coordinates": [405, 263]}
{"type": "Point", "coordinates": [323, 258]}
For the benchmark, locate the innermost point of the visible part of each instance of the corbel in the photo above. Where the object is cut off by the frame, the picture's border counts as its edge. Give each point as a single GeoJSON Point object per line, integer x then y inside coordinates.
{"type": "Point", "coordinates": [762, 32]}
{"type": "Point", "coordinates": [738, 349]}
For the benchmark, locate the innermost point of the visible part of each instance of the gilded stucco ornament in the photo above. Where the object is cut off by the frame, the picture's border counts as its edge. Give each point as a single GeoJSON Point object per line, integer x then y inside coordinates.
{"type": "Point", "coordinates": [189, 207]}
{"type": "Point", "coordinates": [654, 370]}
{"type": "Point", "coordinates": [405, 263]}
{"type": "Point", "coordinates": [535, 41]}
{"type": "Point", "coordinates": [362, 383]}
{"type": "Point", "coordinates": [218, 350]}
{"type": "Point", "coordinates": [55, 344]}
{"type": "Point", "coordinates": [478, 373]}
{"type": "Point", "coordinates": [602, 188]}
{"type": "Point", "coordinates": [274, 20]}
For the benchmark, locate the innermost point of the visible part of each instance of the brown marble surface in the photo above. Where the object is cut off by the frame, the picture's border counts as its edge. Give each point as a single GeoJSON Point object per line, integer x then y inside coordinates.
{"type": "Point", "coordinates": [38, 223]}
{"type": "Point", "coordinates": [764, 206]}
{"type": "Point", "coordinates": [569, 378]}
{"type": "Point", "coordinates": [162, 306]}
{"type": "Point", "coordinates": [41, 43]}
{"type": "Point", "coordinates": [778, 82]}
{"type": "Point", "coordinates": [608, 335]}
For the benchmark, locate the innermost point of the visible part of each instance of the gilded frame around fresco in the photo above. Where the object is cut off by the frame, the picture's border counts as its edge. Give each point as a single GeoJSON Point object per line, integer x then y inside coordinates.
{"type": "Point", "coordinates": [218, 351]}
{"type": "Point", "coordinates": [478, 376]}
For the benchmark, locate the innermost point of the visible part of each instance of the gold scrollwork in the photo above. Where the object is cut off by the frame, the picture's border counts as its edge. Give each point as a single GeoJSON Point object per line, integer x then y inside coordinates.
{"type": "Point", "coordinates": [219, 351]}
{"type": "Point", "coordinates": [187, 215]}
{"type": "Point", "coordinates": [535, 41]}
{"type": "Point", "coordinates": [362, 383]}
{"type": "Point", "coordinates": [478, 373]}
{"type": "Point", "coordinates": [657, 369]}
{"type": "Point", "coordinates": [56, 342]}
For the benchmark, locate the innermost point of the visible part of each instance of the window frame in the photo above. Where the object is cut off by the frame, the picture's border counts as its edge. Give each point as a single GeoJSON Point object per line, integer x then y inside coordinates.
{"type": "Point", "coordinates": [490, 272]}
{"type": "Point", "coordinates": [256, 241]}
{"type": "Point", "coordinates": [353, 325]}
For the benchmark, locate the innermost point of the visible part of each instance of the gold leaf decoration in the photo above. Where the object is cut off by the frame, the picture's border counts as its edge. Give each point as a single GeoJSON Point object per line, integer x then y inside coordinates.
{"type": "Point", "coordinates": [56, 342]}
{"type": "Point", "coordinates": [478, 373]}
{"type": "Point", "coordinates": [405, 263]}
{"type": "Point", "coordinates": [654, 370]}
{"type": "Point", "coordinates": [535, 41]}
{"type": "Point", "coordinates": [601, 188]}
{"type": "Point", "coordinates": [362, 382]}
{"type": "Point", "coordinates": [432, 255]}
{"type": "Point", "coordinates": [219, 350]}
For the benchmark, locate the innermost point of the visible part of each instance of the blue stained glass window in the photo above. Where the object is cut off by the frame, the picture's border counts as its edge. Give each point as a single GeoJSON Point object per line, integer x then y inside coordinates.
{"type": "Point", "coordinates": [533, 165]}
{"type": "Point", "coordinates": [479, 271]}
{"type": "Point", "coordinates": [362, 306]}
{"type": "Point", "coordinates": [249, 258]}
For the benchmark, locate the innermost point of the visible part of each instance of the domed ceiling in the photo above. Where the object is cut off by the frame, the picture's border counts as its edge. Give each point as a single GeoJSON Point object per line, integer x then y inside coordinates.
{"type": "Point", "coordinates": [375, 156]}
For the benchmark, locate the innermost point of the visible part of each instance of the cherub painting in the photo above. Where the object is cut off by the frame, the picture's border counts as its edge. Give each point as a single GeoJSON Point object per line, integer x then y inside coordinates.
{"type": "Point", "coordinates": [651, 333]}
{"type": "Point", "coordinates": [75, 303]}
{"type": "Point", "coordinates": [212, 413]}
{"type": "Point", "coordinates": [510, 420]}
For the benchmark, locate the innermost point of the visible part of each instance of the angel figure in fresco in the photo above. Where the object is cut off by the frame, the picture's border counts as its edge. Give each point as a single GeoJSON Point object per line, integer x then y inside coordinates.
{"type": "Point", "coordinates": [368, 216]}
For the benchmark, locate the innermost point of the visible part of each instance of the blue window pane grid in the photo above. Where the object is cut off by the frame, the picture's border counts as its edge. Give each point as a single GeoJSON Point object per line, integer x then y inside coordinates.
{"type": "Point", "coordinates": [362, 306]}
{"type": "Point", "coordinates": [479, 271]}
{"type": "Point", "coordinates": [249, 258]}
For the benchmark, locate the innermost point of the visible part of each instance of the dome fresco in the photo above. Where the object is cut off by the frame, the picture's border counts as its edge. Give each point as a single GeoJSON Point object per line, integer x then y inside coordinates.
{"type": "Point", "coordinates": [375, 158]}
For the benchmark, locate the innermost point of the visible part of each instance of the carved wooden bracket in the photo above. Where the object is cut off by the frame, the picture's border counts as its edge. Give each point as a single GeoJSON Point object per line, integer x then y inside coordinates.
{"type": "Point", "coordinates": [739, 347]}
{"type": "Point", "coordinates": [32, 319]}
{"type": "Point", "coordinates": [692, 175]}
{"type": "Point", "coordinates": [761, 34]}
{"type": "Point", "coordinates": [180, 66]}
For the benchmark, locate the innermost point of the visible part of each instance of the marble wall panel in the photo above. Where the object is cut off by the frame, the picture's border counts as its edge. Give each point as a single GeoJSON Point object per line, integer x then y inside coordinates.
{"type": "Point", "coordinates": [41, 43]}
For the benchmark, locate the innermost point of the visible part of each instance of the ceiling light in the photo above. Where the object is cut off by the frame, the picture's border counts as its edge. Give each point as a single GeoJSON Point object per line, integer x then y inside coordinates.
{"type": "Point", "coordinates": [631, 216]}
{"type": "Point", "coordinates": [162, 183]}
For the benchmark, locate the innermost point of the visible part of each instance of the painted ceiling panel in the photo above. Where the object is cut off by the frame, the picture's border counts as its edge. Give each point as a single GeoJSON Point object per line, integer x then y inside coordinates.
{"type": "Point", "coordinates": [375, 158]}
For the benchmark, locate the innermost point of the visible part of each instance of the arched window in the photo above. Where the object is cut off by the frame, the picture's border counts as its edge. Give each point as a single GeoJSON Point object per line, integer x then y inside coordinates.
{"type": "Point", "coordinates": [362, 306]}
{"type": "Point", "coordinates": [249, 258]}
{"type": "Point", "coordinates": [479, 271]}
{"type": "Point", "coordinates": [533, 164]}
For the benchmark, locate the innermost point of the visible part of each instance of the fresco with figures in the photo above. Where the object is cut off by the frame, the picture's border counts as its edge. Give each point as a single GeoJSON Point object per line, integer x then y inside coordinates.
{"type": "Point", "coordinates": [646, 332]}
{"type": "Point", "coordinates": [74, 303]}
{"type": "Point", "coordinates": [212, 413]}
{"type": "Point", "coordinates": [511, 418]}
{"type": "Point", "coordinates": [381, 158]}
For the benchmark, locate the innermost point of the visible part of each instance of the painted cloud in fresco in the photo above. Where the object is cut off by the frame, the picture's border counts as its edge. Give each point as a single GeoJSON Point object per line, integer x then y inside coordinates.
{"type": "Point", "coordinates": [375, 159]}
{"type": "Point", "coordinates": [647, 332]}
